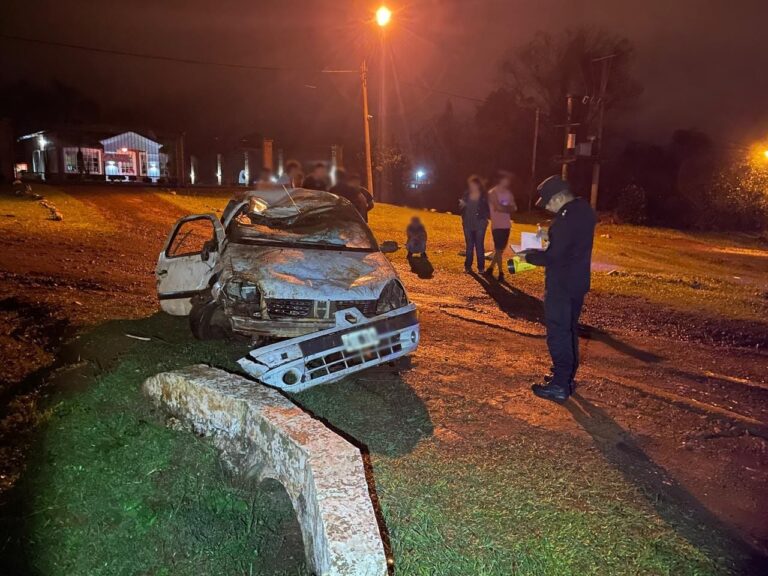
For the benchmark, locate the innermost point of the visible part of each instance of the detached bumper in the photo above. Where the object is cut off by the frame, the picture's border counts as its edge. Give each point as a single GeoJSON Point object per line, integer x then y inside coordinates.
{"type": "Point", "coordinates": [326, 356]}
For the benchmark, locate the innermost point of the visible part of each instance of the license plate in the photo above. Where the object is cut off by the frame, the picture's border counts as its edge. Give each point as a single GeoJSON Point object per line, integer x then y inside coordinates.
{"type": "Point", "coordinates": [360, 339]}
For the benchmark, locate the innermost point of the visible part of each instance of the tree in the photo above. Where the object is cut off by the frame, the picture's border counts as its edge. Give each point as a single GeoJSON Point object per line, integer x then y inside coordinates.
{"type": "Point", "coordinates": [545, 70]}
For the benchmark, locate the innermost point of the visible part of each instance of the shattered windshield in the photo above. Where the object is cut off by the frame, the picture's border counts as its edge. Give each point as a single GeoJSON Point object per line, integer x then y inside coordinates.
{"type": "Point", "coordinates": [304, 218]}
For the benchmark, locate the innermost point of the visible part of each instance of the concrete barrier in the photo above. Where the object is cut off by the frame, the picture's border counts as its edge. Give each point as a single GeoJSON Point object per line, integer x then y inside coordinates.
{"type": "Point", "coordinates": [260, 432]}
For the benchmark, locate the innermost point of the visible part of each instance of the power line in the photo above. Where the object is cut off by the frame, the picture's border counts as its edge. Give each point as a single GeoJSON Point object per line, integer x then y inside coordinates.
{"type": "Point", "coordinates": [193, 61]}
{"type": "Point", "coordinates": [151, 56]}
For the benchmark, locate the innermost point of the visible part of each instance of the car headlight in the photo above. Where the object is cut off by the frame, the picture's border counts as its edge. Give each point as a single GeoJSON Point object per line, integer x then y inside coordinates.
{"type": "Point", "coordinates": [244, 297]}
{"type": "Point", "coordinates": [392, 297]}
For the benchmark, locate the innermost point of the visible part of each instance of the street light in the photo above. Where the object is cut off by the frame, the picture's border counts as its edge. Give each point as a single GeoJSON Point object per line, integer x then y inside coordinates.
{"type": "Point", "coordinates": [383, 16]}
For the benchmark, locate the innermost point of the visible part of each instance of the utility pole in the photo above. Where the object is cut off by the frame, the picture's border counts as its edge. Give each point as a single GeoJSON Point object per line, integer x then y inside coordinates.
{"type": "Point", "coordinates": [367, 127]}
{"type": "Point", "coordinates": [533, 157]}
{"type": "Point", "coordinates": [605, 62]}
{"type": "Point", "coordinates": [566, 146]}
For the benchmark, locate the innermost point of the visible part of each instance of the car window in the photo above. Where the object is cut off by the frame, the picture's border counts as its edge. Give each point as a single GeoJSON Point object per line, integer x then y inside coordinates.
{"type": "Point", "coordinates": [191, 238]}
{"type": "Point", "coordinates": [322, 221]}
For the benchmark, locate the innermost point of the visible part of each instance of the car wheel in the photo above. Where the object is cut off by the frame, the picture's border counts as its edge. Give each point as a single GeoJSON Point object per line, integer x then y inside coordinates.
{"type": "Point", "coordinates": [207, 320]}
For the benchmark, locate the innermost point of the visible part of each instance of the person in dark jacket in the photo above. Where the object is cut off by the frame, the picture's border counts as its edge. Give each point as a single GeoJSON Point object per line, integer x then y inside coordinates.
{"type": "Point", "coordinates": [355, 180]}
{"type": "Point", "coordinates": [416, 238]}
{"type": "Point", "coordinates": [567, 259]}
{"type": "Point", "coordinates": [475, 213]}
{"type": "Point", "coordinates": [318, 178]}
{"type": "Point", "coordinates": [345, 188]}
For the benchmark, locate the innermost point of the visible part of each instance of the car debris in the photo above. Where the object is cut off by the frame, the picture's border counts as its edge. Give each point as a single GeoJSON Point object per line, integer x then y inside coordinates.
{"type": "Point", "coordinates": [354, 344]}
{"type": "Point", "coordinates": [298, 266]}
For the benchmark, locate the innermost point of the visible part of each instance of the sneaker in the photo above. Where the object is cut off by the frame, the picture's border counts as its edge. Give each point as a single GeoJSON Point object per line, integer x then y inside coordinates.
{"type": "Point", "coordinates": [552, 392]}
{"type": "Point", "coordinates": [571, 386]}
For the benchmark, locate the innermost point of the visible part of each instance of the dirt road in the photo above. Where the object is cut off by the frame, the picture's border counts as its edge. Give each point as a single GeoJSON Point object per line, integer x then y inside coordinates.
{"type": "Point", "coordinates": [680, 413]}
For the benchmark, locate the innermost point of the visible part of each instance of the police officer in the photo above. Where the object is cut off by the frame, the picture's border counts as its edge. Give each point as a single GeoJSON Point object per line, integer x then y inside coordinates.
{"type": "Point", "coordinates": [567, 260]}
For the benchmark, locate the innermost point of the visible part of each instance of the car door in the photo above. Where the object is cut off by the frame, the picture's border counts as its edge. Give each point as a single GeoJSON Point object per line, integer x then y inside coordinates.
{"type": "Point", "coordinates": [188, 261]}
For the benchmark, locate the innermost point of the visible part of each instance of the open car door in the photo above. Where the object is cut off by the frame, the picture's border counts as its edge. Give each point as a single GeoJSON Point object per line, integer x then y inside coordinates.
{"type": "Point", "coordinates": [188, 261]}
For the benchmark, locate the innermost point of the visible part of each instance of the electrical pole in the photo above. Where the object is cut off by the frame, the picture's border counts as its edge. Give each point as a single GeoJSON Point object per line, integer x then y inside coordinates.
{"type": "Point", "coordinates": [605, 62]}
{"type": "Point", "coordinates": [566, 147]}
{"type": "Point", "coordinates": [367, 127]}
{"type": "Point", "coordinates": [533, 157]}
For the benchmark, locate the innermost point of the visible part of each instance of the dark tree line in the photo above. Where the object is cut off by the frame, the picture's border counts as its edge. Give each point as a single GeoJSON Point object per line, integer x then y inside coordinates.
{"type": "Point", "coordinates": [686, 183]}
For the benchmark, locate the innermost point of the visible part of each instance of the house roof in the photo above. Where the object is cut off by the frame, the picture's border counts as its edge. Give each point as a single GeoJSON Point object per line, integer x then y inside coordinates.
{"type": "Point", "coordinates": [133, 136]}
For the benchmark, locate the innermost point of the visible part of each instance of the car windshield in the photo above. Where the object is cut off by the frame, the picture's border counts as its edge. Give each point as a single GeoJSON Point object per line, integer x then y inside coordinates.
{"type": "Point", "coordinates": [304, 218]}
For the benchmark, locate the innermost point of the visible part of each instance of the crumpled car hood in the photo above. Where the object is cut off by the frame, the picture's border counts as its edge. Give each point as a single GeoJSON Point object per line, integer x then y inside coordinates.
{"type": "Point", "coordinates": [293, 273]}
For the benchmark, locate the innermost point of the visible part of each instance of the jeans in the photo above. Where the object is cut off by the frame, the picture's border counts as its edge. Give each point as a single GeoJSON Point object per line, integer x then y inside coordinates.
{"type": "Point", "coordinates": [475, 244]}
{"type": "Point", "coordinates": [561, 317]}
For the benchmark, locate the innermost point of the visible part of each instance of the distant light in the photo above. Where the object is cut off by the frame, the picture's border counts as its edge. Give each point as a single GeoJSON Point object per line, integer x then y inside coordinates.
{"type": "Point", "coordinates": [765, 153]}
{"type": "Point", "coordinates": [123, 149]}
{"type": "Point", "coordinates": [383, 16]}
{"type": "Point", "coordinates": [420, 174]}
{"type": "Point", "coordinates": [273, 179]}
{"type": "Point", "coordinates": [42, 141]}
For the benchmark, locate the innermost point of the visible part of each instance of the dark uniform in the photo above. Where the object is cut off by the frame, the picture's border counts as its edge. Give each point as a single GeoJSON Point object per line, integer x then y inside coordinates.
{"type": "Point", "coordinates": [567, 260]}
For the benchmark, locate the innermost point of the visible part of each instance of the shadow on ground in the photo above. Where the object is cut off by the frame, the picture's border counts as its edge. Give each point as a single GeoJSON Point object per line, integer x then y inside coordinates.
{"type": "Point", "coordinates": [376, 411]}
{"type": "Point", "coordinates": [678, 507]}
{"type": "Point", "coordinates": [519, 305]}
{"type": "Point", "coordinates": [422, 267]}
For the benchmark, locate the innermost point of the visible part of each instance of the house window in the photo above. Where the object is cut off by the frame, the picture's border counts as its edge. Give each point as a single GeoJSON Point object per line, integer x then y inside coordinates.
{"type": "Point", "coordinates": [122, 163]}
{"type": "Point", "coordinates": [89, 163]}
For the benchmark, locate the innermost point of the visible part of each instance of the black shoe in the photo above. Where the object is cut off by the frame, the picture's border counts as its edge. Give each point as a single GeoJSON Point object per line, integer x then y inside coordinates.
{"type": "Point", "coordinates": [501, 276]}
{"type": "Point", "coordinates": [488, 272]}
{"type": "Point", "coordinates": [552, 392]}
{"type": "Point", "coordinates": [571, 386]}
{"type": "Point", "coordinates": [467, 270]}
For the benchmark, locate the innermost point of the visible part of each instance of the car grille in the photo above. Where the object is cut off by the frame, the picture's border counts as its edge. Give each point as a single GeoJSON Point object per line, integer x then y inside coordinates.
{"type": "Point", "coordinates": [284, 308]}
{"type": "Point", "coordinates": [279, 308]}
{"type": "Point", "coordinates": [338, 360]}
{"type": "Point", "coordinates": [366, 307]}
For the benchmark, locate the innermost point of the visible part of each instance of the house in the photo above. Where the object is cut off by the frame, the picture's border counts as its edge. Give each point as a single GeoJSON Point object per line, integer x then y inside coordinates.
{"type": "Point", "coordinates": [94, 153]}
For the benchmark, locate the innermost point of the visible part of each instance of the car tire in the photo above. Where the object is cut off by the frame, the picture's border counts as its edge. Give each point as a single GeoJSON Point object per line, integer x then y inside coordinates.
{"type": "Point", "coordinates": [207, 320]}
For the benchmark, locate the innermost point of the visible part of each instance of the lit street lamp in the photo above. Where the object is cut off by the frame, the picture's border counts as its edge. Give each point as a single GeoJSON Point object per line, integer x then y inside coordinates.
{"type": "Point", "coordinates": [383, 18]}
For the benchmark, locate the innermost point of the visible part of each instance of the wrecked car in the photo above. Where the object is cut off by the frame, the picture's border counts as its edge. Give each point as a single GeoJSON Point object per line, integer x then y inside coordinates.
{"type": "Point", "coordinates": [301, 274]}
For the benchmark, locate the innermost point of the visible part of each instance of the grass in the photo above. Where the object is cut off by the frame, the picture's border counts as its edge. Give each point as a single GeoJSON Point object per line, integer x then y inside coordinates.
{"type": "Point", "coordinates": [28, 215]}
{"type": "Point", "coordinates": [113, 491]}
{"type": "Point", "coordinates": [531, 507]}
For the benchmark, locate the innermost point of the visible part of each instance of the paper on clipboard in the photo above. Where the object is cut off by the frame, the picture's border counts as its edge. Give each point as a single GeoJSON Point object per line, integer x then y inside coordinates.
{"type": "Point", "coordinates": [528, 241]}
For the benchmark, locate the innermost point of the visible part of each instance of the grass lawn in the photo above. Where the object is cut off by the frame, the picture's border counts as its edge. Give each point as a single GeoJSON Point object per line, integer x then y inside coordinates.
{"type": "Point", "coordinates": [111, 490]}
{"type": "Point", "coordinates": [28, 215]}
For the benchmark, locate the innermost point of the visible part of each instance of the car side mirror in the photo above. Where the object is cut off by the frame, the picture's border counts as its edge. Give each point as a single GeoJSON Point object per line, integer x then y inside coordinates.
{"type": "Point", "coordinates": [389, 246]}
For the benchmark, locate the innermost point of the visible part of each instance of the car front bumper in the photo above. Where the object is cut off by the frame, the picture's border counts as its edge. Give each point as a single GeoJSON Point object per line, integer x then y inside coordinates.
{"type": "Point", "coordinates": [321, 357]}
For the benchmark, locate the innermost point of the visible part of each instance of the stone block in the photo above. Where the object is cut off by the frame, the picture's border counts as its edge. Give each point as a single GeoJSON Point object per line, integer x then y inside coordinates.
{"type": "Point", "coordinates": [259, 431]}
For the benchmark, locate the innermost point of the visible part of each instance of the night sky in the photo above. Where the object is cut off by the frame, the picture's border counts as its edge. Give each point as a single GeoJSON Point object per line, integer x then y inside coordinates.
{"type": "Point", "coordinates": [703, 63]}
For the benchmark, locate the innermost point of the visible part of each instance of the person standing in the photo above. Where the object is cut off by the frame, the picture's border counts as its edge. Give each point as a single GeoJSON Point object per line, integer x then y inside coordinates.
{"type": "Point", "coordinates": [347, 186]}
{"type": "Point", "coordinates": [318, 178]}
{"type": "Point", "coordinates": [502, 204]}
{"type": "Point", "coordinates": [291, 175]}
{"type": "Point", "coordinates": [568, 260]}
{"type": "Point", "coordinates": [355, 180]}
{"type": "Point", "coordinates": [474, 220]}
